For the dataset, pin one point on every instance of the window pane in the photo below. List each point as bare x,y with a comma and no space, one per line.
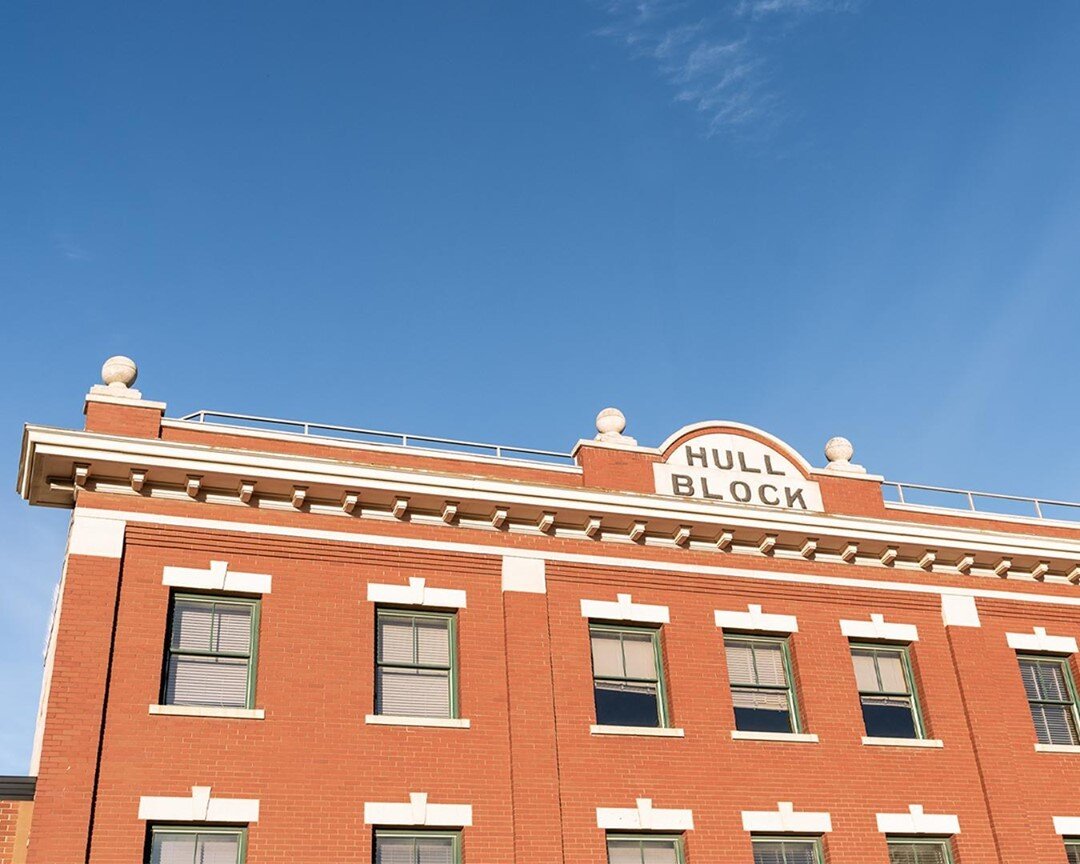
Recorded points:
216,681
413,692
659,852
623,852
191,625
762,711
785,852
606,655
232,628
433,641
434,850
889,717
891,668
394,850
929,852
172,848
865,671
395,640
1054,724
619,704
640,655
740,662
1050,680
769,663
218,849
1072,852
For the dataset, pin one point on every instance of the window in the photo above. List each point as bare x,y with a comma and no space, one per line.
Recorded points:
630,849
428,847
760,673
919,852
1072,851
1052,699
780,850
212,651
174,844
886,690
628,683
416,664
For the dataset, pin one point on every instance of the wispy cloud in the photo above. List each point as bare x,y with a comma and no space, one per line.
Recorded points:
718,59
69,248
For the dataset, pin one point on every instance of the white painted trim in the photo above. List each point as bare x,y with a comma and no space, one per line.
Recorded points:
217,578
1057,748
1041,643
643,817
100,538
1067,826
783,737
418,812
916,821
704,425
599,560
929,743
624,609
877,629
208,711
784,820
416,594
958,610
432,722
200,807
525,575
754,621
642,731
125,401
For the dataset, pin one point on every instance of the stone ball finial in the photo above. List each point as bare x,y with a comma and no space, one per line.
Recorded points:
839,452
610,420
119,372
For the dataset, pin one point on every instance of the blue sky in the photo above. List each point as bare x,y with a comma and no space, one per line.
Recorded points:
489,220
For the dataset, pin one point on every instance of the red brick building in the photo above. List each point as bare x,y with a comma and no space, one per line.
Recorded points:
292,644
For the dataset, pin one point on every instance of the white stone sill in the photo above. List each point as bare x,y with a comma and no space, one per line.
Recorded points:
431,722
208,711
644,731
1057,748
928,743
790,737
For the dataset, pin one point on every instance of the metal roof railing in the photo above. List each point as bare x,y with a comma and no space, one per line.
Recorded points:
377,436
986,503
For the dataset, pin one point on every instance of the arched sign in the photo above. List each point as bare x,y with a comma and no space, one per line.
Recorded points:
736,469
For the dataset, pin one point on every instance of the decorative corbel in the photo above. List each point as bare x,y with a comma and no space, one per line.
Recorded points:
499,517
1074,575
965,563
80,474
724,540
449,512
546,522
299,495
637,532
138,479
682,535
245,490
849,553
888,556
401,505
1003,567
928,559
349,501
193,485
1039,571
592,527
767,544
809,548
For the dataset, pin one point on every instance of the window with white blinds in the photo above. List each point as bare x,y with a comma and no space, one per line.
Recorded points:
628,684
890,708
762,692
1072,851
1052,698
783,850
649,849
187,845
397,847
919,852
211,654
415,664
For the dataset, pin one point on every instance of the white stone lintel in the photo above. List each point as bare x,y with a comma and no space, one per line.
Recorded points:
418,813
916,821
200,807
1040,642
217,578
525,575
1067,826
877,628
643,817
416,594
755,621
624,609
959,610
784,820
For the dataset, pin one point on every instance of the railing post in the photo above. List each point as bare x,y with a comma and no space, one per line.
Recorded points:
1038,509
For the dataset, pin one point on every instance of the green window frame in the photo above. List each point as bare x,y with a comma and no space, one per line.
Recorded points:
200,835
883,695
424,668
787,849
1051,694
1072,851
756,692
625,846
417,837
606,682
911,850
187,650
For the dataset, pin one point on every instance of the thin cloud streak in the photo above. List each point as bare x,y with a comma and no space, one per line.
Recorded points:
718,62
